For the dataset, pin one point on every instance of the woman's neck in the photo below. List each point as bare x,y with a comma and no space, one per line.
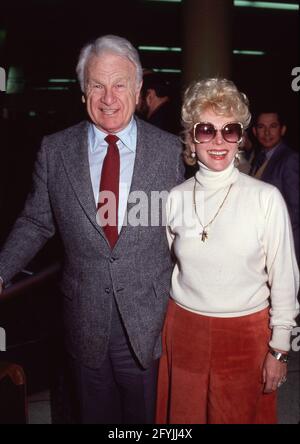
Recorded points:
208,178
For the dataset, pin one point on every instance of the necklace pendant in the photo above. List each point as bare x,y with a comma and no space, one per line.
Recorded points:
204,236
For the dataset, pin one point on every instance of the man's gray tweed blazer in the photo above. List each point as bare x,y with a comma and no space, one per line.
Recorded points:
137,271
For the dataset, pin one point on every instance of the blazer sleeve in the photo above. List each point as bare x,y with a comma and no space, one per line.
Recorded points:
33,227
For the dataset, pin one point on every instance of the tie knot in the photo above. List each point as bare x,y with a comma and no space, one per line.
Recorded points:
111,138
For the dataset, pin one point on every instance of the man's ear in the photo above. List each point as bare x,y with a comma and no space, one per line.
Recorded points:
254,131
150,95
138,92
283,130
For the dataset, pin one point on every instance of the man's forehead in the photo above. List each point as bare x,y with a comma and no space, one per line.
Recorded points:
108,67
268,118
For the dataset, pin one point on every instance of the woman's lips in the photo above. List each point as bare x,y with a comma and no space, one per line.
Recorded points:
217,154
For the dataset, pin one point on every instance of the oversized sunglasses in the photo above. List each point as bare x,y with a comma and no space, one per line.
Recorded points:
205,132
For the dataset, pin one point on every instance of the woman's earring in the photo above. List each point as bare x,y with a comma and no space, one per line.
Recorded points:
193,155
83,98
237,158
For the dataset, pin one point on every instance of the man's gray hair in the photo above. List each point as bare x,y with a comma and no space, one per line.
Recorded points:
108,44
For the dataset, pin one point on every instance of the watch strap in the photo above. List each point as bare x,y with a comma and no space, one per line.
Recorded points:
282,357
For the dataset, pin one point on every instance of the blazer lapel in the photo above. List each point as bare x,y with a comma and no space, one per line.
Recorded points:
145,162
275,158
76,162
144,172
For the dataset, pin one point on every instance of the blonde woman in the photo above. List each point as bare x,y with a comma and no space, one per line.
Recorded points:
234,285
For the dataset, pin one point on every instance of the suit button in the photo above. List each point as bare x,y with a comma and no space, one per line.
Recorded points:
113,259
107,290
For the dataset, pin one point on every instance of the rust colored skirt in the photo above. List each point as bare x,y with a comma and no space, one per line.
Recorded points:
211,370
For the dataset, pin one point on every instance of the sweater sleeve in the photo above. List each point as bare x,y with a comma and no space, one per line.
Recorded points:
170,234
282,269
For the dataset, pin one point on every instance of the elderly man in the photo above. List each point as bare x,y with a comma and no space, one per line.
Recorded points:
116,271
278,164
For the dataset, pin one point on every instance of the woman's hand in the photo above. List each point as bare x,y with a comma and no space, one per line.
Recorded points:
274,373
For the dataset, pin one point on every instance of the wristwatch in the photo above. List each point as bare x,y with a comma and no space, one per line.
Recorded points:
282,357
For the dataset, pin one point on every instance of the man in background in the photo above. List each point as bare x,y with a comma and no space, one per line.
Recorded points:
156,104
277,163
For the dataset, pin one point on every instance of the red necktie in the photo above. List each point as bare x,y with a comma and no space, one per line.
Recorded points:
110,183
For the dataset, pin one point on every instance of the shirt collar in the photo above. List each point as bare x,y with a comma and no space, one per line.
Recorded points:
270,152
126,135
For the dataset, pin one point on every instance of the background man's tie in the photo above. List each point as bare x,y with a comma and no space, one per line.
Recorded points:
110,182
260,160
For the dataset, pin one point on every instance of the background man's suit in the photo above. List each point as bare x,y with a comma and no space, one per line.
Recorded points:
137,271
282,170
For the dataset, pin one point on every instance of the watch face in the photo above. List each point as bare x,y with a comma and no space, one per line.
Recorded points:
282,357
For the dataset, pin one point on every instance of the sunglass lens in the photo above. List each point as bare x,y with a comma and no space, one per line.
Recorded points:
232,132
204,132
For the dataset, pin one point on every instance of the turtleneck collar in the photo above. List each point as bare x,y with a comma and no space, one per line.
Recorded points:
216,179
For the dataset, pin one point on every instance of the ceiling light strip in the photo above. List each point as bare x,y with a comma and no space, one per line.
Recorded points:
252,4
178,49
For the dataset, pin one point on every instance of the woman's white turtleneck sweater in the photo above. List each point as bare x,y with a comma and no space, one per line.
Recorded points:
248,256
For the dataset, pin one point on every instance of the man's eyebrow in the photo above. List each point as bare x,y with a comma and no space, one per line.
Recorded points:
94,80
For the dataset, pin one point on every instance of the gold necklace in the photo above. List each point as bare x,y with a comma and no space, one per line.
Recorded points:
204,233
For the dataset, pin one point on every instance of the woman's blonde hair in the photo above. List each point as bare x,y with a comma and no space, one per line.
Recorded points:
219,95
